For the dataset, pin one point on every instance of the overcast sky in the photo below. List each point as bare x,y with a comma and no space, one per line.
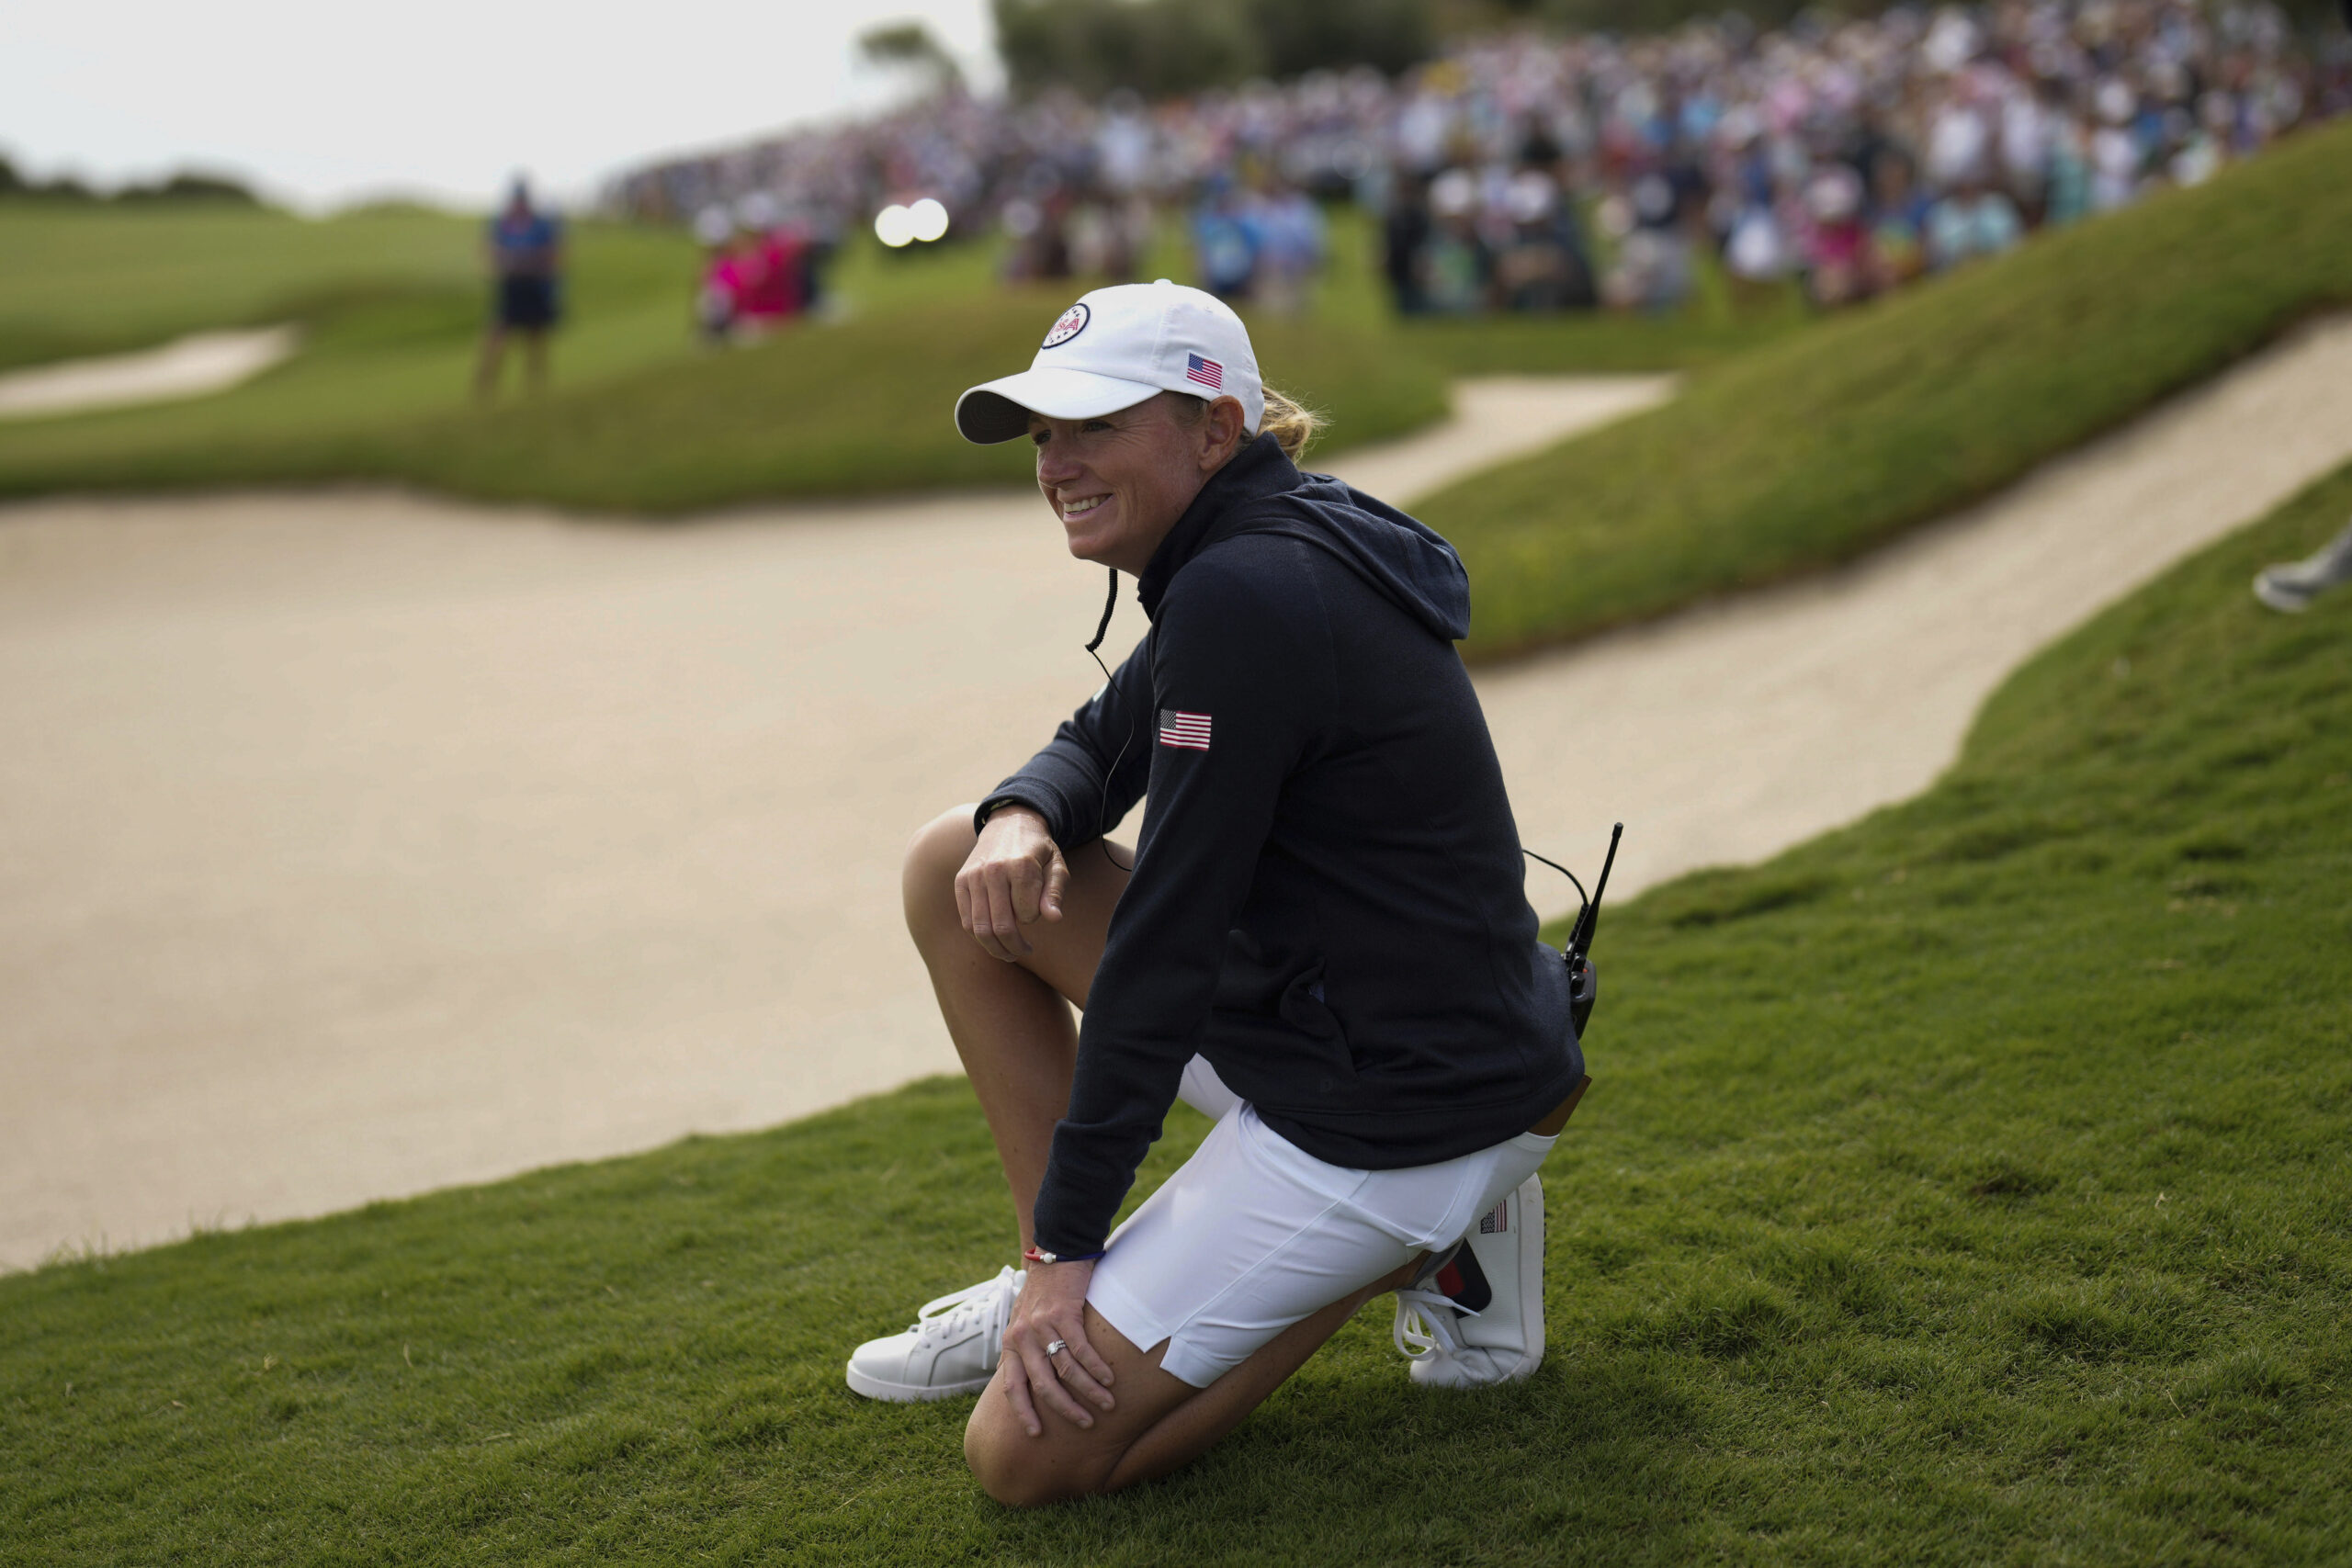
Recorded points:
323,102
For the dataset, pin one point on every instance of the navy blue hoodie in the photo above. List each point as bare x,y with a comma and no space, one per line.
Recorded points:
1328,899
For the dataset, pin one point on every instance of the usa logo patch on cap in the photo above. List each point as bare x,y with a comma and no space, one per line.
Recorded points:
1073,322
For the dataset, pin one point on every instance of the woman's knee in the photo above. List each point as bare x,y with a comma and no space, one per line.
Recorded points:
1015,1469
927,879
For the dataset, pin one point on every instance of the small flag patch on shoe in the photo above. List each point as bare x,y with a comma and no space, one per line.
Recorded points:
1188,730
1497,1220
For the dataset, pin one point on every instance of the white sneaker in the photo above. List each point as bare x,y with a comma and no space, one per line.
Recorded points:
1474,1317
951,1349
2292,586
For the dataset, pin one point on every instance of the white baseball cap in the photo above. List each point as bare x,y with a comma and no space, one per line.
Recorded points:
1115,348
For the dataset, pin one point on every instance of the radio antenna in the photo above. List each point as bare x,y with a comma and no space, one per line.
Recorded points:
1588,919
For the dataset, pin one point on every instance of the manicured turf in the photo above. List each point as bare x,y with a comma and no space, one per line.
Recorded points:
1965,1186
392,305
1707,331
1812,449
638,418
858,408
391,301
81,280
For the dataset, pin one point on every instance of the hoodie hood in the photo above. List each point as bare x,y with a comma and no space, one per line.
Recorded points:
1260,491
1396,553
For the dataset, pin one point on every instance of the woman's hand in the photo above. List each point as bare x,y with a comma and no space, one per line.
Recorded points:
1014,876
1052,1307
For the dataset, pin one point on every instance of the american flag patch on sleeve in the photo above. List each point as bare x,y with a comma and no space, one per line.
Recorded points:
1188,730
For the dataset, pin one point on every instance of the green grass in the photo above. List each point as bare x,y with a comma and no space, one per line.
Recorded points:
638,419
1967,1186
1814,448
82,281
392,304
391,301
859,408
1605,343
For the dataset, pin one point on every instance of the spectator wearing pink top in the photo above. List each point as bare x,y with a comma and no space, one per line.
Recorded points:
1838,268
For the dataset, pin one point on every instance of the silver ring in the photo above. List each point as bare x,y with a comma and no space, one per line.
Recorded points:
1056,1349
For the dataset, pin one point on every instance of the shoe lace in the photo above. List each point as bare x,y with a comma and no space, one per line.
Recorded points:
951,1316
1424,1317
1425,1321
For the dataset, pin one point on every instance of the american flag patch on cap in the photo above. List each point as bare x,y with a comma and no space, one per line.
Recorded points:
1188,730
1207,372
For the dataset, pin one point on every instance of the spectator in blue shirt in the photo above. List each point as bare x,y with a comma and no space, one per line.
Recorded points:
526,248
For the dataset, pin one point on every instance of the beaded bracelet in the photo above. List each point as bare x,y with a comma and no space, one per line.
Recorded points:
1038,1255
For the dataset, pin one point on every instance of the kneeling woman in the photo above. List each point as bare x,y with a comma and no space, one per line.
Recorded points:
1321,939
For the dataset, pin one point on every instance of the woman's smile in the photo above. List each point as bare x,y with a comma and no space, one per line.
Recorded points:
1120,481
1093,523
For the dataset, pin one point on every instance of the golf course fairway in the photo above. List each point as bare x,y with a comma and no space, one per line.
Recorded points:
1965,1186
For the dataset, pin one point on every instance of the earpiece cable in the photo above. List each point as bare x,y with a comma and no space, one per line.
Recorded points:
1102,812
1582,897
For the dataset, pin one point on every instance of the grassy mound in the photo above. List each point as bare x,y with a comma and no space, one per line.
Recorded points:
1966,1186
392,304
638,419
855,409
1813,448
77,281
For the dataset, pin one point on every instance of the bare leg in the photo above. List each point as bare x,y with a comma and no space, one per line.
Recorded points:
1013,1027
494,352
1011,1023
1160,1424
535,359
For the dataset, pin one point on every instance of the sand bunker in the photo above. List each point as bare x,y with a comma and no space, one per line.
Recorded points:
1730,732
361,843
191,367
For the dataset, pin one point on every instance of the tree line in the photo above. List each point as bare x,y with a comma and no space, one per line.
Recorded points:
184,185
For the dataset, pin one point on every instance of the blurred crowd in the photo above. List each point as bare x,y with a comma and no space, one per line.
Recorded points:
1530,172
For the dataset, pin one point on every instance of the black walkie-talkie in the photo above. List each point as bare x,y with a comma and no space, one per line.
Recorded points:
1584,985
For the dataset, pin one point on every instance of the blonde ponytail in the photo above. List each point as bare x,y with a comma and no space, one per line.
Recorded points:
1291,423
